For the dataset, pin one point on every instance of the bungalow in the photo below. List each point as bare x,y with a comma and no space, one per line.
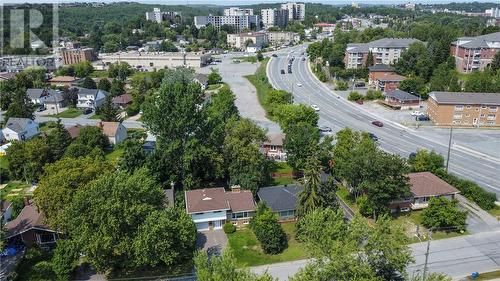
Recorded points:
273,147
388,82
29,229
20,129
202,79
211,208
282,200
122,101
91,98
62,81
401,100
115,131
55,100
426,185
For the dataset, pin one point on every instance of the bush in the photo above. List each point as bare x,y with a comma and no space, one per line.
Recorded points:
229,228
365,207
443,213
374,95
354,96
321,76
341,86
268,231
65,259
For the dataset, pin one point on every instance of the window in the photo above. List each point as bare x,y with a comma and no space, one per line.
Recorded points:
457,116
482,115
469,107
198,213
467,115
459,107
493,108
274,147
483,107
46,238
151,64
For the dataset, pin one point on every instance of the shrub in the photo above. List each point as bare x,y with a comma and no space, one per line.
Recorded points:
229,228
268,231
365,207
341,86
374,95
354,96
443,213
65,259
322,76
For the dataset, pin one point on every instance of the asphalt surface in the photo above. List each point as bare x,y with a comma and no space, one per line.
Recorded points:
338,113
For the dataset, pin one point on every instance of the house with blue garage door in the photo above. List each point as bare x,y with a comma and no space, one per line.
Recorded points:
211,208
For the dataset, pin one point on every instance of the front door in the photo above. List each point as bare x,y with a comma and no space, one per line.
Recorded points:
210,225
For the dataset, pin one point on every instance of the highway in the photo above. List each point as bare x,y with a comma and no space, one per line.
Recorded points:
338,113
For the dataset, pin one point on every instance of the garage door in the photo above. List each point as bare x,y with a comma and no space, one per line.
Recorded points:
202,226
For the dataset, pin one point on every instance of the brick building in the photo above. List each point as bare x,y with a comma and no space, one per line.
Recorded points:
464,109
72,56
475,53
388,82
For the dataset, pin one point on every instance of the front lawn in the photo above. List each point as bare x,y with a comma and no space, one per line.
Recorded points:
114,155
493,275
248,252
95,116
69,113
99,74
495,212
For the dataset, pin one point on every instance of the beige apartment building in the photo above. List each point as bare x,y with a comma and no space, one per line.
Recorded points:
238,40
464,109
153,61
72,56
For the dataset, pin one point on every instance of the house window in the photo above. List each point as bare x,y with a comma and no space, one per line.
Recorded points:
467,115
457,116
198,213
493,108
46,238
459,107
151,64
483,107
469,107
274,148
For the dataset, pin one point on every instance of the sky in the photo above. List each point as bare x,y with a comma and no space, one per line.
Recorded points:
247,2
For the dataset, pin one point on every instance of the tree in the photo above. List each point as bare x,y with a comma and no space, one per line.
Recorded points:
214,77
92,136
104,85
482,82
20,106
425,161
219,111
167,46
26,159
71,95
58,140
443,213
277,97
117,88
289,114
300,142
134,157
223,267
268,231
259,56
309,199
65,259
413,85
444,79
61,180
495,63
120,70
76,150
108,111
415,61
369,59
88,83
83,69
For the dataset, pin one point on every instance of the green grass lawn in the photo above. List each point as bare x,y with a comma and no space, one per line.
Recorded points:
252,59
486,276
114,155
495,212
13,188
69,113
261,84
95,116
99,74
46,126
281,167
248,252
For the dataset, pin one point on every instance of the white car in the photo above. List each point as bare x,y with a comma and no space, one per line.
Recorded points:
299,84
315,107
417,113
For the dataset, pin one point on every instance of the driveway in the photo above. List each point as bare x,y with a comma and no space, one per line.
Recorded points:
212,241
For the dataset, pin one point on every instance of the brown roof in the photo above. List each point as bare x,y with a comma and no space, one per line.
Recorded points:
241,200
204,200
108,128
74,131
425,184
28,218
123,99
7,75
63,79
391,77
274,139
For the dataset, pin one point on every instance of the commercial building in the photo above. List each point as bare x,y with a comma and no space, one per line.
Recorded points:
72,56
239,41
464,109
159,16
274,18
239,23
384,51
152,61
282,38
296,11
475,53
325,27
235,11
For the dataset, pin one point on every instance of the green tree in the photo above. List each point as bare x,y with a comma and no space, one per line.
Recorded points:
309,199
76,150
220,110
92,136
26,159
71,95
290,114
415,61
214,77
278,97
83,69
268,231
61,180
108,111
259,56
444,79
117,88
104,85
424,161
443,213
168,46
300,142
88,83
495,63
120,70
482,82
58,140
65,259
369,59
20,106
414,85
134,157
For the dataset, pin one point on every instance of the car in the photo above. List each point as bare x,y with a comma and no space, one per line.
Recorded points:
360,85
422,118
325,129
299,84
359,102
416,113
373,136
289,70
315,107
378,123
41,108
275,55
412,155
87,111
282,71
303,59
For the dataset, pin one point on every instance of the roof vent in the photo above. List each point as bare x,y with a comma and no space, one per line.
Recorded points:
206,198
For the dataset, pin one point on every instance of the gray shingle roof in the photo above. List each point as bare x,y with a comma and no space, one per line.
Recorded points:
17,125
35,93
401,95
479,41
466,98
380,67
280,198
381,43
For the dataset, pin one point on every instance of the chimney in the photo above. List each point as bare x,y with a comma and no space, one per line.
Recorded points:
235,188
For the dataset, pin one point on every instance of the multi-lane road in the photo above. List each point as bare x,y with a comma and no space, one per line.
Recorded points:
338,113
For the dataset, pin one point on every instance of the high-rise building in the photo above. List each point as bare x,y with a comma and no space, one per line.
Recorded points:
235,11
239,23
274,17
159,16
296,11
72,56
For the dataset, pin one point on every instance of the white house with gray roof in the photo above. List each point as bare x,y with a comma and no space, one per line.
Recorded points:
90,98
20,129
385,51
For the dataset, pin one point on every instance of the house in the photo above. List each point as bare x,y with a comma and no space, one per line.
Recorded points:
20,129
37,96
464,109
29,229
426,185
47,97
115,131
273,147
282,200
475,53
201,79
252,48
74,131
122,101
5,211
211,208
62,81
388,82
55,100
401,100
91,98
378,70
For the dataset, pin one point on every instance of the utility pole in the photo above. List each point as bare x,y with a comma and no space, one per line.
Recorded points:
427,255
449,147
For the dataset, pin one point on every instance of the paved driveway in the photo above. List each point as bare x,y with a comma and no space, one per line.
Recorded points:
212,241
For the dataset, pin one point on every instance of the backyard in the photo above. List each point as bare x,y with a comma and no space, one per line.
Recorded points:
281,173
248,252
14,189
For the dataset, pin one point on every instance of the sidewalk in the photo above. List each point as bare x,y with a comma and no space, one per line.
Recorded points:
488,221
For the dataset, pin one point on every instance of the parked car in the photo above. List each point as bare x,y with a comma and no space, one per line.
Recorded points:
303,59
359,102
315,107
275,55
87,111
289,70
373,137
299,84
41,108
412,155
423,118
378,123
416,113
282,71
360,85
325,129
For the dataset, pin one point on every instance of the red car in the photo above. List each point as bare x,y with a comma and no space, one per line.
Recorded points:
359,101
378,123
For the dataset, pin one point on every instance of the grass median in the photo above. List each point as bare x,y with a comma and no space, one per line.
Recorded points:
261,84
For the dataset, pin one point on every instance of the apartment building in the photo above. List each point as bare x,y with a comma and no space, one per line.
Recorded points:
153,61
464,109
235,11
282,38
72,56
239,23
274,18
296,11
158,16
384,51
493,12
475,53
239,40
